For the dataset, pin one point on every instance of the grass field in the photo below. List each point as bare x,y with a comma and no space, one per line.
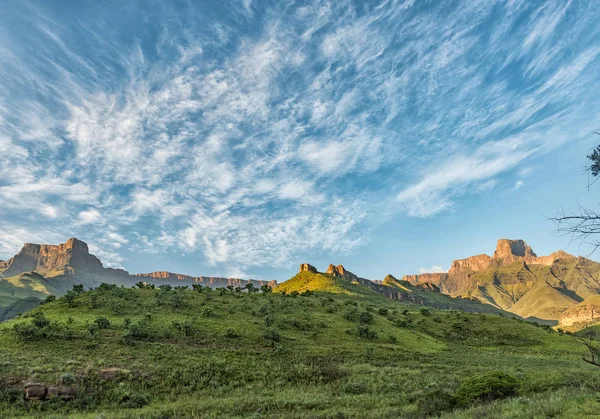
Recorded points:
222,353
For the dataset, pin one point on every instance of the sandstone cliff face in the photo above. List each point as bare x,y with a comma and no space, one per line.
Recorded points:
211,281
586,312
506,248
70,257
516,273
473,263
305,267
340,272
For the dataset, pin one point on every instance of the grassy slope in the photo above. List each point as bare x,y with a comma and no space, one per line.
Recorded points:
319,368
320,282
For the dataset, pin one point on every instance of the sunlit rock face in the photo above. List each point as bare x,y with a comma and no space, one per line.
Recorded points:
71,256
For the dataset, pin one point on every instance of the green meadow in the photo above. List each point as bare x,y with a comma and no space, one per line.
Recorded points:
342,352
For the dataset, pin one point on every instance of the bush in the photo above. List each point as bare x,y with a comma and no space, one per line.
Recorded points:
425,312
486,387
366,317
49,299
135,401
351,314
271,336
102,322
355,388
40,321
383,311
365,332
231,334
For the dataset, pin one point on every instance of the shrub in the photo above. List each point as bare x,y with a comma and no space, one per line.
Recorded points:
69,297
266,289
355,388
231,334
102,322
40,321
425,312
393,339
351,314
383,311
135,401
78,289
365,332
67,379
49,299
486,387
271,336
366,317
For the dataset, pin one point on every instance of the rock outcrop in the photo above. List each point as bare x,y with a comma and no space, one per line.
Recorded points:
305,267
584,313
211,281
517,280
69,257
340,272
507,248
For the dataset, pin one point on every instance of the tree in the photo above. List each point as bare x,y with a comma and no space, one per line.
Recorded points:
583,224
266,289
78,289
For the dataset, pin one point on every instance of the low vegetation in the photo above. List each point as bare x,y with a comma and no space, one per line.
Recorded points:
176,352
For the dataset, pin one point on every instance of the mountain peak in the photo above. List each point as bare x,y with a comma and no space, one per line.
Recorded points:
73,254
341,272
305,267
507,248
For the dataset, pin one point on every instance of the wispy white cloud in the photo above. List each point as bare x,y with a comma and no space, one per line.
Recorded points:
270,131
432,270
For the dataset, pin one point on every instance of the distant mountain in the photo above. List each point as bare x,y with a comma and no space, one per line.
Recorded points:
515,279
337,279
39,270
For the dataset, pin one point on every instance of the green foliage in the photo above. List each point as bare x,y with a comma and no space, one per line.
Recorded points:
365,332
102,322
365,317
271,336
294,353
49,299
486,387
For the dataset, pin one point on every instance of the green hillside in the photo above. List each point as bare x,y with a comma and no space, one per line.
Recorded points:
390,287
158,353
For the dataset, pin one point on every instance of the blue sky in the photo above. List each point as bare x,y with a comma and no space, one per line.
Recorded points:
242,138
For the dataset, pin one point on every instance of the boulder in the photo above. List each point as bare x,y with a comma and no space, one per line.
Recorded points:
112,374
34,391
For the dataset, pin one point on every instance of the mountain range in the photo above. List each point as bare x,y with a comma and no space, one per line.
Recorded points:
515,279
559,288
39,270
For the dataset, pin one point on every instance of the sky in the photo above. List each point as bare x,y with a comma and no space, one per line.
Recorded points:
242,138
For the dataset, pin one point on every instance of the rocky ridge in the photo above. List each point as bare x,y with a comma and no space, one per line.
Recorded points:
211,281
517,280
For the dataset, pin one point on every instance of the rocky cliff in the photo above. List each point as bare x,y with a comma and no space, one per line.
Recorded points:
211,281
517,280
585,313
66,258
